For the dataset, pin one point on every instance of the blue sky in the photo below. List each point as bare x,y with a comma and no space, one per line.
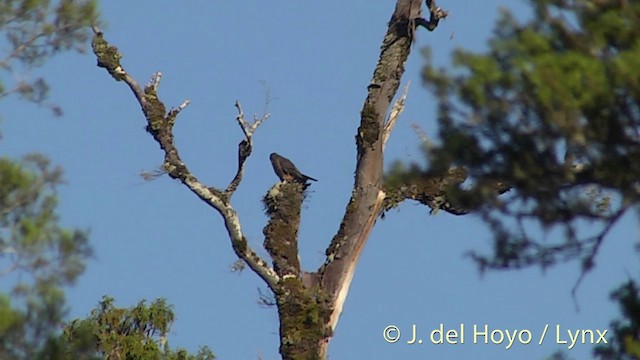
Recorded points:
155,239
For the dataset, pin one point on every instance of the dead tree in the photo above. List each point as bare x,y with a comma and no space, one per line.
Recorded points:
309,303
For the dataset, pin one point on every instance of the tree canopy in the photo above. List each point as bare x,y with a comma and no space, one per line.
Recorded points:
35,30
37,253
543,128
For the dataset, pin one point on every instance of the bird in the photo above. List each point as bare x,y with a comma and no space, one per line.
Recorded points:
286,171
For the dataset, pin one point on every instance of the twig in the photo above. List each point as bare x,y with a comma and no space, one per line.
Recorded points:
173,113
154,82
245,146
589,261
422,135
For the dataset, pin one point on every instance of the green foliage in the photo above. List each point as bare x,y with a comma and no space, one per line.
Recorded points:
626,343
139,332
552,109
39,255
29,231
34,30
42,257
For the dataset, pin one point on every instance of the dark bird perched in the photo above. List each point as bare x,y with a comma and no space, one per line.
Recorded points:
286,171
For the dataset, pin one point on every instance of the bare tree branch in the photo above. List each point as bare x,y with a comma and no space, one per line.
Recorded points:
589,261
368,194
160,126
245,146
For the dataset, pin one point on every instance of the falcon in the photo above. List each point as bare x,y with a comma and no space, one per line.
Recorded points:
286,171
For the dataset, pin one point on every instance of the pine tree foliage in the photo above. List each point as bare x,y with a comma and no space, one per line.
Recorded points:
552,112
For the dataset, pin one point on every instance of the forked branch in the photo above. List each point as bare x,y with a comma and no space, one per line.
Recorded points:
245,146
160,125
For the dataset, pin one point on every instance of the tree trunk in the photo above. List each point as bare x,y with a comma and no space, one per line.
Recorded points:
304,317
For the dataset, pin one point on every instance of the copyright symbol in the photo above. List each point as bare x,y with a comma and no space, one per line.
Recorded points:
391,334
